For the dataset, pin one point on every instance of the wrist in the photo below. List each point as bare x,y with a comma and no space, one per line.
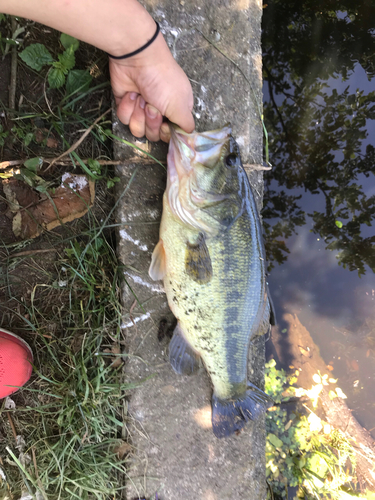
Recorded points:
124,39
140,49
156,53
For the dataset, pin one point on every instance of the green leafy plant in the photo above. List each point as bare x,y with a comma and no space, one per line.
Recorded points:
24,133
61,71
301,451
95,170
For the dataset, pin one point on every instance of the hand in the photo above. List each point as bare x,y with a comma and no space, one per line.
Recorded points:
149,86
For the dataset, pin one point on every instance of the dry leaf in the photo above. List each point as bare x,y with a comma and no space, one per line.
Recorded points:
354,365
123,449
42,133
116,360
34,212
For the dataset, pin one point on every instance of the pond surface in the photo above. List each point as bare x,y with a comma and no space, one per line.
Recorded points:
319,204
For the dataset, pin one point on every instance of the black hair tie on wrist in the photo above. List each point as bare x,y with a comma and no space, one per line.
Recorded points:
141,48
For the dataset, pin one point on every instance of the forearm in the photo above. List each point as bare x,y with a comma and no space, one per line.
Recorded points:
115,26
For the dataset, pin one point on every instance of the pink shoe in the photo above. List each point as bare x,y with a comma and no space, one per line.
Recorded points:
15,362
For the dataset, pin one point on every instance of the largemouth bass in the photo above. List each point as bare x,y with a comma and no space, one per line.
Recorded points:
211,258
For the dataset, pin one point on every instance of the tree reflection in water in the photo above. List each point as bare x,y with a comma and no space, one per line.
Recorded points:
319,137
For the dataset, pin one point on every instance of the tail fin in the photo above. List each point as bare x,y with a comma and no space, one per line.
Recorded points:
229,416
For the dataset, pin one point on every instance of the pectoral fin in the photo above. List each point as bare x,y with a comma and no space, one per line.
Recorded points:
198,263
183,358
158,266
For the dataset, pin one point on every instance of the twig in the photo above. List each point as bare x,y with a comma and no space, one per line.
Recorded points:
80,140
14,163
101,162
35,464
11,163
31,252
40,484
13,71
12,426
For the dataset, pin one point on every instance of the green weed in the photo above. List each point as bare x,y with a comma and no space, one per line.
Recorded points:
61,71
316,462
9,35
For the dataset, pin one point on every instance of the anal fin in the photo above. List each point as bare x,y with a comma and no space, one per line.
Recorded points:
183,358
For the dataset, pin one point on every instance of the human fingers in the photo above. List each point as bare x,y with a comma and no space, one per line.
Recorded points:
165,132
126,107
137,123
154,120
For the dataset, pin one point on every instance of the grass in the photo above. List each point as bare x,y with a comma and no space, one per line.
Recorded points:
73,414
65,303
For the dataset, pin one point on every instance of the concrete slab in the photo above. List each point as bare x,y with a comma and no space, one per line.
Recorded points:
175,451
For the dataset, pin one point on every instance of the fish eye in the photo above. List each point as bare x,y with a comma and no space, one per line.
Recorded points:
231,160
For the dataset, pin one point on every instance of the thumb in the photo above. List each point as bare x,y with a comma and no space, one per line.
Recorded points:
180,114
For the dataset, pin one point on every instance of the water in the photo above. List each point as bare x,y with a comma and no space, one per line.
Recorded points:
319,102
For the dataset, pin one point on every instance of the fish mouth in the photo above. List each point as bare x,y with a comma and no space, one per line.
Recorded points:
189,150
187,153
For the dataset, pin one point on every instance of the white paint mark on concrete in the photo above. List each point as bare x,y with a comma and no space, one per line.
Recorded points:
240,141
154,214
155,287
136,320
159,13
136,213
127,237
